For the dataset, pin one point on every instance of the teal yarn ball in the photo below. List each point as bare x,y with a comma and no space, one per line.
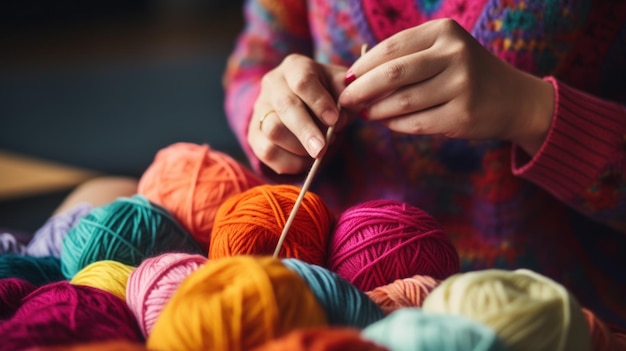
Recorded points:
344,304
414,329
36,270
127,230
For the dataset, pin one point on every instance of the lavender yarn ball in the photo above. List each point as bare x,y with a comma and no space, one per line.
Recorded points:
48,240
10,245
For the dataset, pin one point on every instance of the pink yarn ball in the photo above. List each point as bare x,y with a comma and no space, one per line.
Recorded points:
61,313
153,283
377,242
12,290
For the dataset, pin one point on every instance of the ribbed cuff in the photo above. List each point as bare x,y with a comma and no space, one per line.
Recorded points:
586,134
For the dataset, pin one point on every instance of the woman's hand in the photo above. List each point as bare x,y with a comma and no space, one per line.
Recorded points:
297,99
437,79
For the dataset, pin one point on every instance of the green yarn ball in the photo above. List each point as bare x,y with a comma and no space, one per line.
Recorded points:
36,270
128,230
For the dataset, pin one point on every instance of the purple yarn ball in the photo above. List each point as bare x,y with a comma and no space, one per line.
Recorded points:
48,240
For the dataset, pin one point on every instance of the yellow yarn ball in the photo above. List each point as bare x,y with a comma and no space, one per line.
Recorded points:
235,303
527,310
107,275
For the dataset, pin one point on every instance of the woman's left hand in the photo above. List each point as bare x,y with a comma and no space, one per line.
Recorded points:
437,79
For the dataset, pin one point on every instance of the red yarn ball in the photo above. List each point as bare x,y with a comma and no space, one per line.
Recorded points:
191,181
377,242
12,290
61,313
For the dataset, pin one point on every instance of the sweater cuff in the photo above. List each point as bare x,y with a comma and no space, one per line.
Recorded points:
586,133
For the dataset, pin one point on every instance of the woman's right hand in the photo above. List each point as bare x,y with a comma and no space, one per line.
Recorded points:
297,100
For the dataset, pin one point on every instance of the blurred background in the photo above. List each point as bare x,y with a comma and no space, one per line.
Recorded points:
102,85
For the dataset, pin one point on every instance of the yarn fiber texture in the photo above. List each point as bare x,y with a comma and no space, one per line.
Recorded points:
250,223
411,329
602,338
48,240
107,275
321,339
9,244
12,290
37,270
527,310
127,230
379,241
192,181
152,284
235,303
344,304
61,313
115,345
407,292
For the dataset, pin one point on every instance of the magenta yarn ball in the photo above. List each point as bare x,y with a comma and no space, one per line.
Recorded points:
153,283
12,290
61,313
379,241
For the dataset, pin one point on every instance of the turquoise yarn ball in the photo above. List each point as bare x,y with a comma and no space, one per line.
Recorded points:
344,304
36,270
127,230
414,329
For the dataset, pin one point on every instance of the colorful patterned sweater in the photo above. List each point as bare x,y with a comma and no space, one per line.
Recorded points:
561,213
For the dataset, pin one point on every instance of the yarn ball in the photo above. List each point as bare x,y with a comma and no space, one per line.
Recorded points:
250,223
61,313
153,283
48,240
527,310
602,338
117,345
37,270
344,304
192,181
10,245
411,329
127,230
111,276
12,290
407,292
379,241
321,339
235,303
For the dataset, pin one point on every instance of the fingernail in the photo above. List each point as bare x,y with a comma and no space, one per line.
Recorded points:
315,146
363,115
350,77
329,117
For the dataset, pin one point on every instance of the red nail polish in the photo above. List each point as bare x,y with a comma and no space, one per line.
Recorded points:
350,77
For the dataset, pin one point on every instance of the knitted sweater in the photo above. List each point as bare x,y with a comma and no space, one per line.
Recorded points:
561,212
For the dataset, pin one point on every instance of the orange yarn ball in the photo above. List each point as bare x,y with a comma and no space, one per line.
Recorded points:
408,292
250,223
322,339
236,303
602,338
192,181
118,345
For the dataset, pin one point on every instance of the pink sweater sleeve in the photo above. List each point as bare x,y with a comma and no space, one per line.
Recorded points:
274,29
583,159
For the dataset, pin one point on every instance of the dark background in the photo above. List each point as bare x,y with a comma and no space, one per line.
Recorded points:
104,85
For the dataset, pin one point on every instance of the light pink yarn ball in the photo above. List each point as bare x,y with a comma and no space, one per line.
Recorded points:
153,283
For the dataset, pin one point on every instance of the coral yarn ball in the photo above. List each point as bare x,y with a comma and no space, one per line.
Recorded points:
251,223
192,181
377,242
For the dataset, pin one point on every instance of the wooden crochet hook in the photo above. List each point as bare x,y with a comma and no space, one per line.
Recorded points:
307,181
